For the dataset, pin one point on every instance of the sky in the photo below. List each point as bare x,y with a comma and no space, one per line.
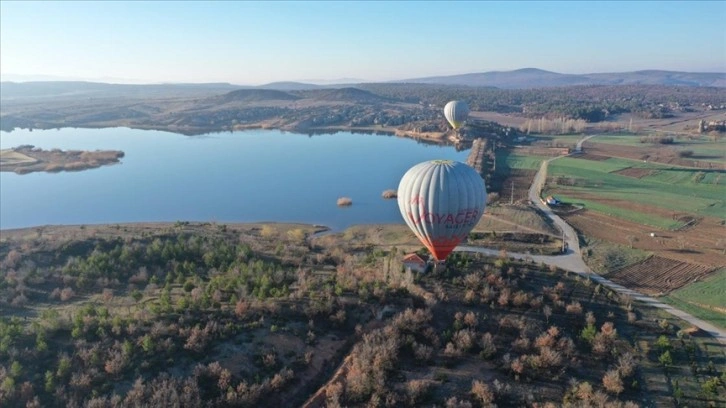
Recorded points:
253,43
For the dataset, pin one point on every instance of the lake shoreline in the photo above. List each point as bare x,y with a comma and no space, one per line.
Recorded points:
442,138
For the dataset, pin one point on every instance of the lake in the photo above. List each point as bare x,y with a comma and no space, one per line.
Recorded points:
249,176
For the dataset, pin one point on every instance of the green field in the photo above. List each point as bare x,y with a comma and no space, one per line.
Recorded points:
708,151
518,162
697,297
619,139
558,140
622,213
694,191
703,147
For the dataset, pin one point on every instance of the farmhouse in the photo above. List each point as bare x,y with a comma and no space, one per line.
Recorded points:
550,200
414,262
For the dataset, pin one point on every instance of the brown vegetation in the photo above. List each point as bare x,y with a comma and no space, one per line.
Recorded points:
55,160
230,315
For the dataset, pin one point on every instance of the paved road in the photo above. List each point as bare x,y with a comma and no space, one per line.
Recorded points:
572,259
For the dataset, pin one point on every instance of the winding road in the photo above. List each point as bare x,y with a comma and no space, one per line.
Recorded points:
572,259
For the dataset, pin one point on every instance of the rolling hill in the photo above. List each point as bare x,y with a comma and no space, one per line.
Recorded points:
537,78
254,95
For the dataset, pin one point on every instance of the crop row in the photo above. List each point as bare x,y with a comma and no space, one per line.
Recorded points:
658,275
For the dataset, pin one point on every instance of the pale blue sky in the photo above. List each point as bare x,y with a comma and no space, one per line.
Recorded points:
256,43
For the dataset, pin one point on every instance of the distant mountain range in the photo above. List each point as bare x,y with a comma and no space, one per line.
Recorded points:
518,79
538,78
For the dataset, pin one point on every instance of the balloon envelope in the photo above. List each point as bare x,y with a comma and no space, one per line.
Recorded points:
441,201
456,113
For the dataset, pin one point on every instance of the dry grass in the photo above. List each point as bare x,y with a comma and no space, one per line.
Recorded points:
9,156
389,194
344,201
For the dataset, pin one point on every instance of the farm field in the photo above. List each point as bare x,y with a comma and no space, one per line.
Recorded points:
557,140
656,275
705,299
513,170
618,139
704,148
513,218
707,158
698,243
604,206
701,192
518,161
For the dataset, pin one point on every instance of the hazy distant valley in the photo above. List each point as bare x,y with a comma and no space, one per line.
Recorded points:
412,106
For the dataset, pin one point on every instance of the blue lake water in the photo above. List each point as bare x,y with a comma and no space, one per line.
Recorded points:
250,176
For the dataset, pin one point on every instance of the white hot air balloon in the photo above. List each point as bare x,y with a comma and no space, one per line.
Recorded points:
441,201
456,113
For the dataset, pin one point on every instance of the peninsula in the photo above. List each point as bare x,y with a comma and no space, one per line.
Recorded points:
27,159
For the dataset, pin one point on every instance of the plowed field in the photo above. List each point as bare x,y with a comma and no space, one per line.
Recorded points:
701,243
657,155
521,180
658,275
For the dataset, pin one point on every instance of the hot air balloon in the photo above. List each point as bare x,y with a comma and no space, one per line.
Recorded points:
456,113
441,201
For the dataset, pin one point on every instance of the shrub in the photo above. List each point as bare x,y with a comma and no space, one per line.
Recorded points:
453,402
590,318
626,365
548,358
612,382
520,298
422,352
481,392
666,359
710,386
663,343
471,320
66,294
574,308
608,330
488,348
588,333
417,390
473,281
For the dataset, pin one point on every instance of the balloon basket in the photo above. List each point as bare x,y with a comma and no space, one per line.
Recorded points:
437,266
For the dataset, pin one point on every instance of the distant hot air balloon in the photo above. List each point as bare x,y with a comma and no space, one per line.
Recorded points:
456,113
441,201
